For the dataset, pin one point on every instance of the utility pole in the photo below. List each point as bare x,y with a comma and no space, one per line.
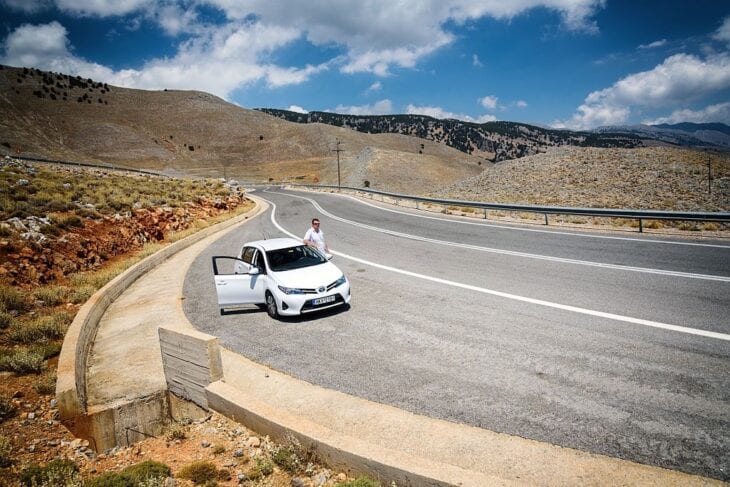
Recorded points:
338,150
709,174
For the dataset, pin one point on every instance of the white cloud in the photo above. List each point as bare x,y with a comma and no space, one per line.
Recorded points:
440,113
297,109
101,8
374,87
723,32
653,45
678,80
489,102
219,60
713,113
373,33
382,107
521,104
27,6
476,62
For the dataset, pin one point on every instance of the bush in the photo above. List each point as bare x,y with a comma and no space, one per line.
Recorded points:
11,299
46,385
199,473
175,431
82,294
360,482
109,479
40,330
22,362
7,410
5,449
263,468
286,459
146,470
51,295
56,472
6,319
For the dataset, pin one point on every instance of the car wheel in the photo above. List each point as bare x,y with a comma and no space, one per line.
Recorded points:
271,305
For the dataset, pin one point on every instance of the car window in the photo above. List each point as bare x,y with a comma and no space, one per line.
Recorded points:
294,258
258,260
247,254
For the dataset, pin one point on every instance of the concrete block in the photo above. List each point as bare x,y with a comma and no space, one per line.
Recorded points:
191,361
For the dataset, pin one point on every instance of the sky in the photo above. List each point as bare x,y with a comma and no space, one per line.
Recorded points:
576,64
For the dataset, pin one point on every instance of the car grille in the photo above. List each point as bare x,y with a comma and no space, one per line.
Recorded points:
329,287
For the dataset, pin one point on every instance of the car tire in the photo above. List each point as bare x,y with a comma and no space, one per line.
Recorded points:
271,307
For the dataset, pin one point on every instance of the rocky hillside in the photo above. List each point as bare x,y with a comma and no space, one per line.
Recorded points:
57,116
493,141
660,178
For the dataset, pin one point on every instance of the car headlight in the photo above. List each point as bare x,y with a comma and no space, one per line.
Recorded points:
291,290
341,280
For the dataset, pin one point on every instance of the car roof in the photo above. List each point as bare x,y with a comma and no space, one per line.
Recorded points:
274,243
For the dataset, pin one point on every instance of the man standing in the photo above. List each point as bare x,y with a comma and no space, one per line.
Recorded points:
315,238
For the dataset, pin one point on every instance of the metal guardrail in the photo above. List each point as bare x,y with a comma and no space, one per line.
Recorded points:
639,215
87,164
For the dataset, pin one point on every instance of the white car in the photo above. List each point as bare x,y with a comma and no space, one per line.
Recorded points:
282,274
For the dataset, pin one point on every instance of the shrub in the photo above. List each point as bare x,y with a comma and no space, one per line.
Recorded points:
51,295
7,410
68,221
6,319
56,472
46,385
11,299
263,468
46,350
360,482
200,472
40,330
109,479
22,362
146,470
175,431
286,459
6,449
81,294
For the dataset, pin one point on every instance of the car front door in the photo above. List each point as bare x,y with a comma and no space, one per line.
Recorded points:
234,287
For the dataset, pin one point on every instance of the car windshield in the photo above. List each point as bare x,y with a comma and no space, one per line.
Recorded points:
294,258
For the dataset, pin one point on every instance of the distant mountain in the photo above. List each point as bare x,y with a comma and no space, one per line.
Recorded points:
705,135
696,127
495,141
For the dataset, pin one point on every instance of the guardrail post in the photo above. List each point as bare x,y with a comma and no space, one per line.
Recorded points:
546,219
417,207
485,213
641,225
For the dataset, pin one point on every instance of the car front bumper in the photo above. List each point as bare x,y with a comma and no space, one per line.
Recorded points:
296,304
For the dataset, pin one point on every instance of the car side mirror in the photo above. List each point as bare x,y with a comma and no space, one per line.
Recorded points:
253,271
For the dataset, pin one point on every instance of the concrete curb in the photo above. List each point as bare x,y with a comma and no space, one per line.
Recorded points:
72,362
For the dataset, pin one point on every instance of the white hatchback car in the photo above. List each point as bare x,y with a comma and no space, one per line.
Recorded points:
282,274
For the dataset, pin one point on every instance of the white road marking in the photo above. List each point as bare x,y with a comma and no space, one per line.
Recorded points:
539,302
645,270
536,230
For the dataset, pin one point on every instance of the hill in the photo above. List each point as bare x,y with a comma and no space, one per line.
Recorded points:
659,178
492,141
58,116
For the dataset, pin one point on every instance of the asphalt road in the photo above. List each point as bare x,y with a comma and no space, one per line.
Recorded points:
617,344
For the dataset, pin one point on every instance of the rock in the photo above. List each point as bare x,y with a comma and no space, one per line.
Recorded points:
76,444
22,182
253,442
205,444
54,403
341,477
321,479
31,415
238,453
298,482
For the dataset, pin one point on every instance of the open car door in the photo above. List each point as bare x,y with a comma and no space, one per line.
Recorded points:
237,283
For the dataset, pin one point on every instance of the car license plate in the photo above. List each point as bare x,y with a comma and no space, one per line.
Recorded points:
326,299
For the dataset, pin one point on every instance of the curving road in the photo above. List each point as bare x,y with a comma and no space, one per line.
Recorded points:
610,343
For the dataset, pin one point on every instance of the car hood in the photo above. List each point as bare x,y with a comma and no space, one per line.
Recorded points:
309,277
